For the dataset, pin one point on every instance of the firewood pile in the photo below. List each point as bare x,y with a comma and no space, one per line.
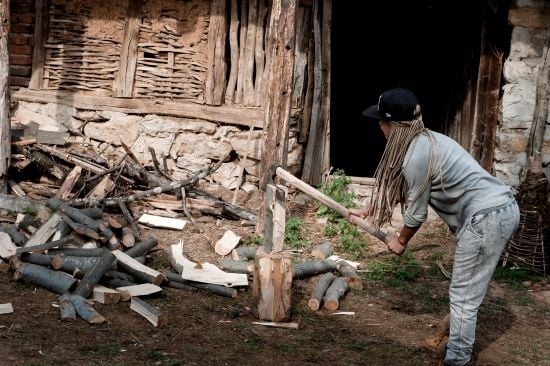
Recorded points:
71,225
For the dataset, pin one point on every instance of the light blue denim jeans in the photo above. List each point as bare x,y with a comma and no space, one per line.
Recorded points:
479,247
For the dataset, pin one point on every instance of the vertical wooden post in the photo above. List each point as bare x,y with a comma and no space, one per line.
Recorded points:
40,37
124,82
273,267
217,34
278,86
5,148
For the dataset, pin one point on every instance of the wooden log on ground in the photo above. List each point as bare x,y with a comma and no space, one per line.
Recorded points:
77,252
128,239
55,281
180,286
16,236
272,285
143,289
216,289
120,275
312,268
322,251
236,266
116,282
56,204
142,248
314,302
244,253
92,212
85,310
334,294
350,274
6,308
67,311
148,311
138,270
45,232
226,243
72,264
92,277
7,247
46,246
105,295
40,259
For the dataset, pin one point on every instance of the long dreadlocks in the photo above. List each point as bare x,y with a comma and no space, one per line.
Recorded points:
390,183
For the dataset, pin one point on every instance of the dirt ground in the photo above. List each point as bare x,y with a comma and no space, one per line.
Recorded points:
385,324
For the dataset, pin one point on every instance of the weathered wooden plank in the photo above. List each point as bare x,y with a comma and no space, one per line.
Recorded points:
248,72
259,53
234,50
40,36
242,47
217,33
226,114
124,80
5,148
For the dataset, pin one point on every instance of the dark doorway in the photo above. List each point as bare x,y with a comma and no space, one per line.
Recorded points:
426,46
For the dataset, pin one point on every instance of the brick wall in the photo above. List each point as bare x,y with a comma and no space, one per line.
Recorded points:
20,42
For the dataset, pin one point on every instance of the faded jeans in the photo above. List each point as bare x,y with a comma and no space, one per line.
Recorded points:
477,254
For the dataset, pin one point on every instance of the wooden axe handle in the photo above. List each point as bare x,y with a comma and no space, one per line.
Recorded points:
329,202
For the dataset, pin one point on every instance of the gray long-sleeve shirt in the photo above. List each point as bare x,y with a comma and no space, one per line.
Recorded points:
459,187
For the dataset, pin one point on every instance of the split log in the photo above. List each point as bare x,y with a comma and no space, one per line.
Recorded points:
143,289
335,293
226,243
322,251
216,289
91,212
149,312
80,228
65,190
286,325
85,310
244,253
55,281
67,311
142,247
7,247
105,295
162,222
314,302
272,285
92,277
236,266
138,270
19,204
6,308
45,232
129,218
350,274
312,268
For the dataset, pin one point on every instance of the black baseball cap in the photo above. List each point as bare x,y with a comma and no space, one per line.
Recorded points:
397,104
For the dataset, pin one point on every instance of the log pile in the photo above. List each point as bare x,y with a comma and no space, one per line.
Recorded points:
81,240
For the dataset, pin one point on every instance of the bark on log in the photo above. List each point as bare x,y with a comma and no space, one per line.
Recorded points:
77,252
180,286
335,292
72,264
85,310
46,246
350,274
18,238
312,268
55,281
244,253
142,247
117,282
67,311
5,150
236,266
322,251
138,270
314,302
120,275
92,277
40,259
216,289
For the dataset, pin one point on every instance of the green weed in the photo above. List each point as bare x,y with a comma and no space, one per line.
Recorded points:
294,237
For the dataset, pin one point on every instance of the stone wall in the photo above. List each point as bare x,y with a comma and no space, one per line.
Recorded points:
188,144
521,70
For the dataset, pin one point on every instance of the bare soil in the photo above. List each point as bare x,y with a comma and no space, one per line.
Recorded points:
387,325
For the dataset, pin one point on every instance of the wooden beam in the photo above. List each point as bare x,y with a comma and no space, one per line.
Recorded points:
226,114
39,50
5,147
124,81
217,34
529,17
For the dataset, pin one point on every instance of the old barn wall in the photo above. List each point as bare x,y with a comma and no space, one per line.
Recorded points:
165,46
521,69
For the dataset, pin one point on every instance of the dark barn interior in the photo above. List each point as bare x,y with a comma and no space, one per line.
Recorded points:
429,47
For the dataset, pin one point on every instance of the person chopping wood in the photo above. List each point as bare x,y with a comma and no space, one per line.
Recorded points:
421,168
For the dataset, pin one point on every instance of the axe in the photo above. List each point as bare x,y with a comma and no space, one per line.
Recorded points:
329,202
